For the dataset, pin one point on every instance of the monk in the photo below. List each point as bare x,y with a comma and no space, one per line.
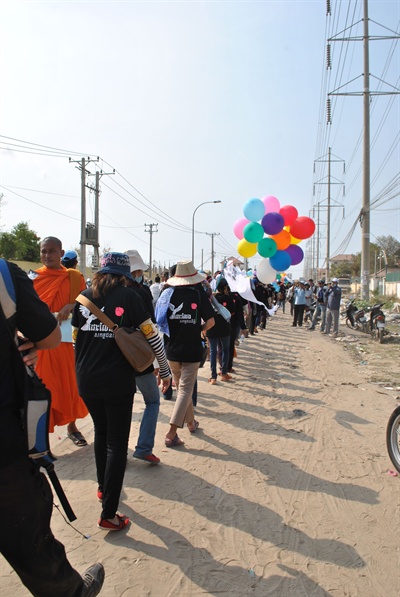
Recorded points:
58,287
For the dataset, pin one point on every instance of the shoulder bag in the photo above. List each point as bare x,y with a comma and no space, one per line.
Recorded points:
132,343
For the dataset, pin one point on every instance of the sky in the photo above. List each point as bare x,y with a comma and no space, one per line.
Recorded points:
193,102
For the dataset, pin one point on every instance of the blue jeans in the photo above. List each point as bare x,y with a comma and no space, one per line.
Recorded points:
213,342
112,417
147,384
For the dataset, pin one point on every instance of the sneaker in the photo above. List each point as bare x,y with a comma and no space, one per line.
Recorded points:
311,329
212,381
106,525
99,495
150,458
93,579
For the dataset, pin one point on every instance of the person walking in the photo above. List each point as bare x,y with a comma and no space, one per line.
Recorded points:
333,297
58,287
179,313
299,295
26,500
105,378
155,289
220,334
147,381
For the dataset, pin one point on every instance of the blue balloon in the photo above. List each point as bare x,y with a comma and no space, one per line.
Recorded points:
254,210
281,261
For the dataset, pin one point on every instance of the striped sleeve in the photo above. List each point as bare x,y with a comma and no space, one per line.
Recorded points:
157,345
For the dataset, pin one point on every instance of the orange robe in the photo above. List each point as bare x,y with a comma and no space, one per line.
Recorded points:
57,366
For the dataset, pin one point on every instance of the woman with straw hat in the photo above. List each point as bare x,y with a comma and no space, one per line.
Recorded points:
183,313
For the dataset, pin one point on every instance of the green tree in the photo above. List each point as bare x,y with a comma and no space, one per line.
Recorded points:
21,243
7,245
391,248
373,264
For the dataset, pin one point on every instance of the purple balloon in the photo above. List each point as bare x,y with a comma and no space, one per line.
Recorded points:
296,254
272,223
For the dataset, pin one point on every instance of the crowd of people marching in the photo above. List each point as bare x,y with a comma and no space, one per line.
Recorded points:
189,319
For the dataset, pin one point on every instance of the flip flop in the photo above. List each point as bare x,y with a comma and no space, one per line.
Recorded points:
171,443
77,438
196,426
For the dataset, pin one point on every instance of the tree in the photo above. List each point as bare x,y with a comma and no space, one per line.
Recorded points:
356,262
390,247
7,245
21,243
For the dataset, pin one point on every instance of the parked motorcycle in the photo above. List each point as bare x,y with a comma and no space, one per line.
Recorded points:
355,318
393,438
377,322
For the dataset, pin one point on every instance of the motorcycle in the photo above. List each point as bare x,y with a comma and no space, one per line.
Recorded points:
377,322
393,438
309,314
355,318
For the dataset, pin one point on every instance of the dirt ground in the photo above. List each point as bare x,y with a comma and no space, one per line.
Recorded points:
284,491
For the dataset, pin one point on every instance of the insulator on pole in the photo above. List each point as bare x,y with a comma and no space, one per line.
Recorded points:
328,56
328,7
328,111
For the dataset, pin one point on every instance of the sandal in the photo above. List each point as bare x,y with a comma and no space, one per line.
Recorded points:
171,443
196,426
106,525
212,381
77,438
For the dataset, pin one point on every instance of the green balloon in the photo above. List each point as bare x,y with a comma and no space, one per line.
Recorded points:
253,232
267,247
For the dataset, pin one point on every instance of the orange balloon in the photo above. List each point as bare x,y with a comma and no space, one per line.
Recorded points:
282,239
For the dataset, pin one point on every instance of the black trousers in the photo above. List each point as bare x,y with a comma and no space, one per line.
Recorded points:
112,417
26,540
298,315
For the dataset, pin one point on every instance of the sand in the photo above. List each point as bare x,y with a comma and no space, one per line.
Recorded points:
283,491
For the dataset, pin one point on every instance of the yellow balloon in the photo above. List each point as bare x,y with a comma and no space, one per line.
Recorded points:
295,241
246,249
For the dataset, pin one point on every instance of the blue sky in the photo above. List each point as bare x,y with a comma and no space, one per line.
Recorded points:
189,102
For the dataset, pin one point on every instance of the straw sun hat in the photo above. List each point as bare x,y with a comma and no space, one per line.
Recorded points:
186,274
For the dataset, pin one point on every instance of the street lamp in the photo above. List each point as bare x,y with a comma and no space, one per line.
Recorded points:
205,202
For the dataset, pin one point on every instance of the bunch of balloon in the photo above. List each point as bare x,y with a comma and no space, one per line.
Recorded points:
274,232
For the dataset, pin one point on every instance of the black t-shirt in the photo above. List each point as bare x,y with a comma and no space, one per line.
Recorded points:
188,306
35,321
101,368
222,327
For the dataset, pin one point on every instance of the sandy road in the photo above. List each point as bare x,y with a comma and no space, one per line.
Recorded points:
284,490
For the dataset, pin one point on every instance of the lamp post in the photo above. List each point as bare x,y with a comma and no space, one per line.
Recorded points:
194,213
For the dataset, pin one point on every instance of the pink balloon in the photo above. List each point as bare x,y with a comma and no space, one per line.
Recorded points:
271,204
239,226
289,213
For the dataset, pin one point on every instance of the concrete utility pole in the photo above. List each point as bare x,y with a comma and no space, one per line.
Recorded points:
366,205
151,232
212,234
89,232
366,94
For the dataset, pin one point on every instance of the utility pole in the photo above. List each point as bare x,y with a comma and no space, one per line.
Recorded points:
364,217
212,234
84,240
151,232
92,230
329,200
